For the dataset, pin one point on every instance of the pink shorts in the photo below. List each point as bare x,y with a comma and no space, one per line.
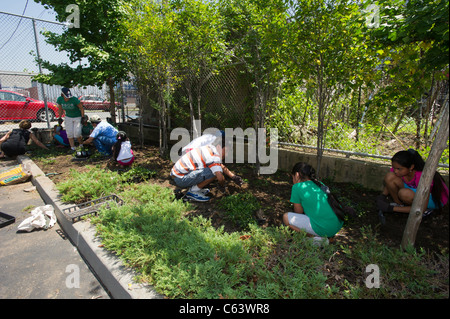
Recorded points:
127,162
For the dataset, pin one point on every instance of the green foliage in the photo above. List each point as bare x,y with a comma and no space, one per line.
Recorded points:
96,183
84,186
423,23
188,258
96,40
138,173
240,208
287,113
403,274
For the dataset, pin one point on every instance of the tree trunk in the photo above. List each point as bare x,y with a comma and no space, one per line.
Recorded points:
163,124
194,130
423,190
112,105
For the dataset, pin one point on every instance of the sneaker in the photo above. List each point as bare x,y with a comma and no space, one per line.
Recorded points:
197,196
320,241
204,191
427,212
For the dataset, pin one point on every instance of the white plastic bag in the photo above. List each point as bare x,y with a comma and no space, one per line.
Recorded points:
41,217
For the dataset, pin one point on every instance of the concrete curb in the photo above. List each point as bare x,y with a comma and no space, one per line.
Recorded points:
114,275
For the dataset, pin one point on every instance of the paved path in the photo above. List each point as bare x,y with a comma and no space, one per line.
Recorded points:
42,264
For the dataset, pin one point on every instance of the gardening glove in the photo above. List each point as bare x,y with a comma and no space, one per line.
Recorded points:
237,179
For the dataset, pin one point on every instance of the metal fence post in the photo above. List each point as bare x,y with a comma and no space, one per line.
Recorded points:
44,96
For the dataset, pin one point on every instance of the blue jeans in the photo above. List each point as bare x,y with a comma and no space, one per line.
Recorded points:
104,144
194,177
431,203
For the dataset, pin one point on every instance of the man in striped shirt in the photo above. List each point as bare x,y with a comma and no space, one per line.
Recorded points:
201,166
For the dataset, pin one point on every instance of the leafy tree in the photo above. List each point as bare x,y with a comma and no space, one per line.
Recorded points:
413,39
93,45
417,34
151,49
254,35
201,51
422,22
325,39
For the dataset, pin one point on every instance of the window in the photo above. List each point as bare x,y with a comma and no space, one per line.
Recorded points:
19,98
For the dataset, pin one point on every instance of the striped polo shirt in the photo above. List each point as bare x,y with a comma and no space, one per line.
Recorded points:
198,158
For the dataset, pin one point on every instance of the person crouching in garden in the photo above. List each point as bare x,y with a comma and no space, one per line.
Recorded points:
201,166
15,141
313,212
104,136
86,127
122,151
401,182
60,134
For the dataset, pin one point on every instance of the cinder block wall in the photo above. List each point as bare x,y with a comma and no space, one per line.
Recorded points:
339,169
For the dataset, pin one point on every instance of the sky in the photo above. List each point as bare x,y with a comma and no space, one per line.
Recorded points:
32,9
17,40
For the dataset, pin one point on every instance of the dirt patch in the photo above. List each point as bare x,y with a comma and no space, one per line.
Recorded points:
273,193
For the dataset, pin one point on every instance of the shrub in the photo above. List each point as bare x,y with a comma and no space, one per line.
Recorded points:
240,208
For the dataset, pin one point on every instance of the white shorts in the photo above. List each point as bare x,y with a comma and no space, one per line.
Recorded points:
73,126
301,221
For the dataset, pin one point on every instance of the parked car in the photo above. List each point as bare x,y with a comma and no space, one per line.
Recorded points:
16,106
93,102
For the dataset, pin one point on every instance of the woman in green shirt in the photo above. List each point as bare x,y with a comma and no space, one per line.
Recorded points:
312,211
74,111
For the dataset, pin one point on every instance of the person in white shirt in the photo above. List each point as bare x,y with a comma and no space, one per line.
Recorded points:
201,166
122,151
206,139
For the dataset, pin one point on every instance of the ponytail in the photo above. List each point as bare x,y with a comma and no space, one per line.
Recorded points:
121,137
307,171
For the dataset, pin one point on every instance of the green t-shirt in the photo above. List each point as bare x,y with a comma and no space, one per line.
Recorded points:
86,129
70,107
315,205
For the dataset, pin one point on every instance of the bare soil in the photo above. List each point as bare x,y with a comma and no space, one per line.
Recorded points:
273,192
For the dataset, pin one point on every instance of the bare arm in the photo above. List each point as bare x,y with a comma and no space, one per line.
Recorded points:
37,142
5,137
88,141
80,106
220,177
60,110
298,208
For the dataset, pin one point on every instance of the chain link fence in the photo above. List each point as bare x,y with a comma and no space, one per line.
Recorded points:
226,100
22,98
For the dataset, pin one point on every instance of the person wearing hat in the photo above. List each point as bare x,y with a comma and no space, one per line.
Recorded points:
74,110
104,136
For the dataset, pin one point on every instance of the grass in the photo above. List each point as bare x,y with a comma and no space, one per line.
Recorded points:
186,257
240,208
95,183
